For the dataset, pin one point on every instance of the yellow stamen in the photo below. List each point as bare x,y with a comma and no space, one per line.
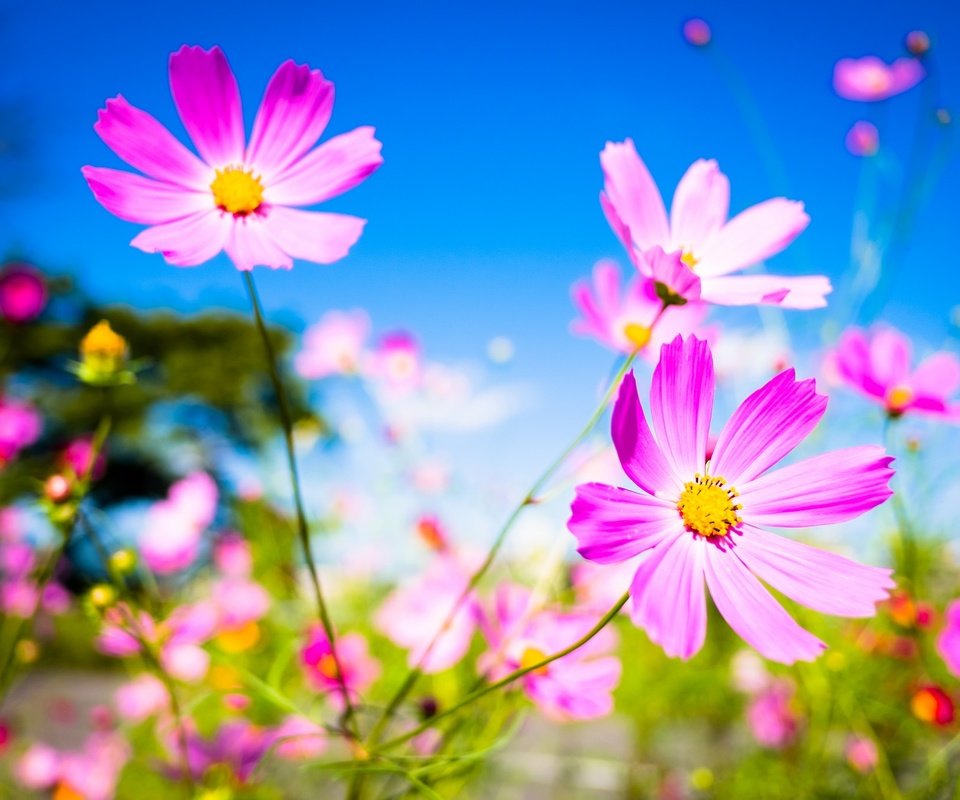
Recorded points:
689,259
899,397
531,656
237,191
240,639
638,335
65,791
708,507
327,666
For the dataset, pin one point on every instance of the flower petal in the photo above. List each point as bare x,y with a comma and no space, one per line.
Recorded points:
700,206
295,109
753,613
252,244
208,100
753,235
334,167
312,235
668,597
148,146
137,199
766,426
937,376
633,195
815,578
890,355
613,524
681,404
189,241
852,356
804,292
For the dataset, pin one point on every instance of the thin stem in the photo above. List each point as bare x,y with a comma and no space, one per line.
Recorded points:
302,527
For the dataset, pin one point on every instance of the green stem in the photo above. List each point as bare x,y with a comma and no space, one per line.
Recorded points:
302,528
906,541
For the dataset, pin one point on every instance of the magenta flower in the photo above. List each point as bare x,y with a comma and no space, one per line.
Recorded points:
238,747
697,32
20,427
771,717
712,246
170,541
240,196
396,362
334,345
863,139
624,318
876,363
948,642
695,521
360,670
870,79
141,697
23,293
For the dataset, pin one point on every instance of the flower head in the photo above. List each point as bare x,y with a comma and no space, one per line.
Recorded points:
23,293
863,139
697,522
870,79
697,32
771,716
171,537
932,705
103,357
948,643
20,427
360,670
334,345
240,196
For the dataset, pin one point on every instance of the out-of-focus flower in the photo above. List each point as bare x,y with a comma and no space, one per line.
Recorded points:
396,362
696,523
104,358
239,196
771,716
861,753
863,139
597,586
19,597
144,696
917,43
577,686
870,79
748,673
171,537
236,746
20,427
38,767
334,345
298,739
876,363
697,32
433,533
90,773
360,670
948,642
932,705
77,456
23,293
712,246
232,556
626,318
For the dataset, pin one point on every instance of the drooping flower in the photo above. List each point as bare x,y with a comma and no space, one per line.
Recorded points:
242,197
625,318
876,363
334,345
698,522
870,79
863,139
171,537
771,716
20,427
576,686
23,293
360,670
712,246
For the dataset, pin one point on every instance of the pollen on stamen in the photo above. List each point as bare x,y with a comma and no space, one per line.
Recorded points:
689,259
708,506
237,191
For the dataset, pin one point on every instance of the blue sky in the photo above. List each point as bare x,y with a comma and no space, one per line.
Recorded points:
492,116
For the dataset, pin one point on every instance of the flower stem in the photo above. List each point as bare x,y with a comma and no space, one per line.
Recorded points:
302,529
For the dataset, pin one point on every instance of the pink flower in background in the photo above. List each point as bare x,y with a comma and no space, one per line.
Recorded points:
712,246
237,746
863,139
697,32
77,455
396,361
20,427
861,753
19,597
577,686
38,767
142,697
771,717
360,670
334,345
298,739
695,522
239,196
624,318
91,772
948,642
870,79
598,586
23,293
232,556
877,363
170,541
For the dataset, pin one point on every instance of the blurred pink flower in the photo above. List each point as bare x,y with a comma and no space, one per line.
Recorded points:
238,746
690,525
577,686
17,559
20,426
360,670
298,739
697,32
55,599
396,361
948,642
77,457
90,773
863,139
19,597
232,556
861,753
23,293
241,196
334,345
184,661
771,717
38,768
142,697
238,601
598,586
876,363
712,246
870,79
170,541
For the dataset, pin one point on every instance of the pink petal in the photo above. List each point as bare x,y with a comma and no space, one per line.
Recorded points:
296,108
937,376
669,270
618,226
253,243
189,241
767,425
681,404
812,577
613,524
640,455
312,235
145,144
753,613
208,100
753,235
334,167
606,282
700,206
890,355
829,488
137,199
633,195
853,363
805,292
668,598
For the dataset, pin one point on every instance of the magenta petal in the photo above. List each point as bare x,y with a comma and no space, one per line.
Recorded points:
137,199
334,167
146,145
252,243
668,597
804,292
812,577
613,524
633,195
766,426
296,108
753,613
890,355
681,403
208,100
853,363
701,203
618,226
189,241
669,270
937,376
829,488
639,453
312,235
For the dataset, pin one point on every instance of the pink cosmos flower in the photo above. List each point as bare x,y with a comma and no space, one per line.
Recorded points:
625,318
870,79
239,196
334,345
876,363
77,455
694,521
771,716
863,139
232,556
360,670
38,767
298,739
948,643
861,753
577,686
20,427
23,293
238,747
712,246
396,361
171,538
142,697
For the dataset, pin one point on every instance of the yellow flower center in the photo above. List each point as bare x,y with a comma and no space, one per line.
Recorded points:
708,506
638,335
239,639
899,397
531,656
924,705
65,791
327,666
689,259
237,191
